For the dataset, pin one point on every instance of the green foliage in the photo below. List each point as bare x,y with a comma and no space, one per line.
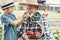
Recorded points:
0,32
56,34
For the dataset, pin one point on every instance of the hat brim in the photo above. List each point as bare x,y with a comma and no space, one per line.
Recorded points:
30,4
8,6
38,5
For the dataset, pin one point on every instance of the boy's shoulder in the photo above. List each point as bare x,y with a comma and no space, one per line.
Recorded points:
3,16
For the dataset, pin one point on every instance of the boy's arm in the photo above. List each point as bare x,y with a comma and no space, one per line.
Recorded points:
20,20
17,22
8,21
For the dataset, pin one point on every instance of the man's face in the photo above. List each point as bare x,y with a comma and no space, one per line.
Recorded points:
8,10
31,8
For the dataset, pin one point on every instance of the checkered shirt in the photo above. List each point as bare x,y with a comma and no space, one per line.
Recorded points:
42,20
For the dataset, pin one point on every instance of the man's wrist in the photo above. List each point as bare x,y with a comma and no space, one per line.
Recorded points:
26,39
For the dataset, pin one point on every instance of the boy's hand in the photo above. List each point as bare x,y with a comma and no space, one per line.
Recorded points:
25,15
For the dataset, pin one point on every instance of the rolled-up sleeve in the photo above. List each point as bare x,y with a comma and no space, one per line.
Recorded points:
6,20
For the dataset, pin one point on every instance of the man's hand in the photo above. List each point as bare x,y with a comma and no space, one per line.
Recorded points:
38,34
25,36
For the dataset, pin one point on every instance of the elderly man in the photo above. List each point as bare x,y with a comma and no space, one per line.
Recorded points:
32,7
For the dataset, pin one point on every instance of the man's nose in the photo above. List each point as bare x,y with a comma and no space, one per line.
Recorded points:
28,9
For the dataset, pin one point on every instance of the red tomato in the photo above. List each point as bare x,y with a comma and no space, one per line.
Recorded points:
46,14
30,33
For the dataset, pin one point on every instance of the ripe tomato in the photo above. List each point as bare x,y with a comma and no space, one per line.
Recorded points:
30,33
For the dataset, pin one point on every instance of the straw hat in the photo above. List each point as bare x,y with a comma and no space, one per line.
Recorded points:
6,3
34,3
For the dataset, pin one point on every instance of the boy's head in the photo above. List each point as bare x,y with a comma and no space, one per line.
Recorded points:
8,9
7,6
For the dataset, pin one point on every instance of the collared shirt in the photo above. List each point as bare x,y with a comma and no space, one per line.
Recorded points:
10,32
42,20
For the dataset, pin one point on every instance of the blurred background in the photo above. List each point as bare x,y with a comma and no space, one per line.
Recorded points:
52,12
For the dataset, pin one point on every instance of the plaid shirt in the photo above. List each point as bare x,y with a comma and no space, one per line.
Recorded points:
41,19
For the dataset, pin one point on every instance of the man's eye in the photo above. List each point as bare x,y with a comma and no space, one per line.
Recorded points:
27,8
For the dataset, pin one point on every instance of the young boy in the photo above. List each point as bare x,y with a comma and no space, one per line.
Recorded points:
9,20
32,7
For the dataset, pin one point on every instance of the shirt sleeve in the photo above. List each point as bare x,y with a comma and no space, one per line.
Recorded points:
6,20
47,33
